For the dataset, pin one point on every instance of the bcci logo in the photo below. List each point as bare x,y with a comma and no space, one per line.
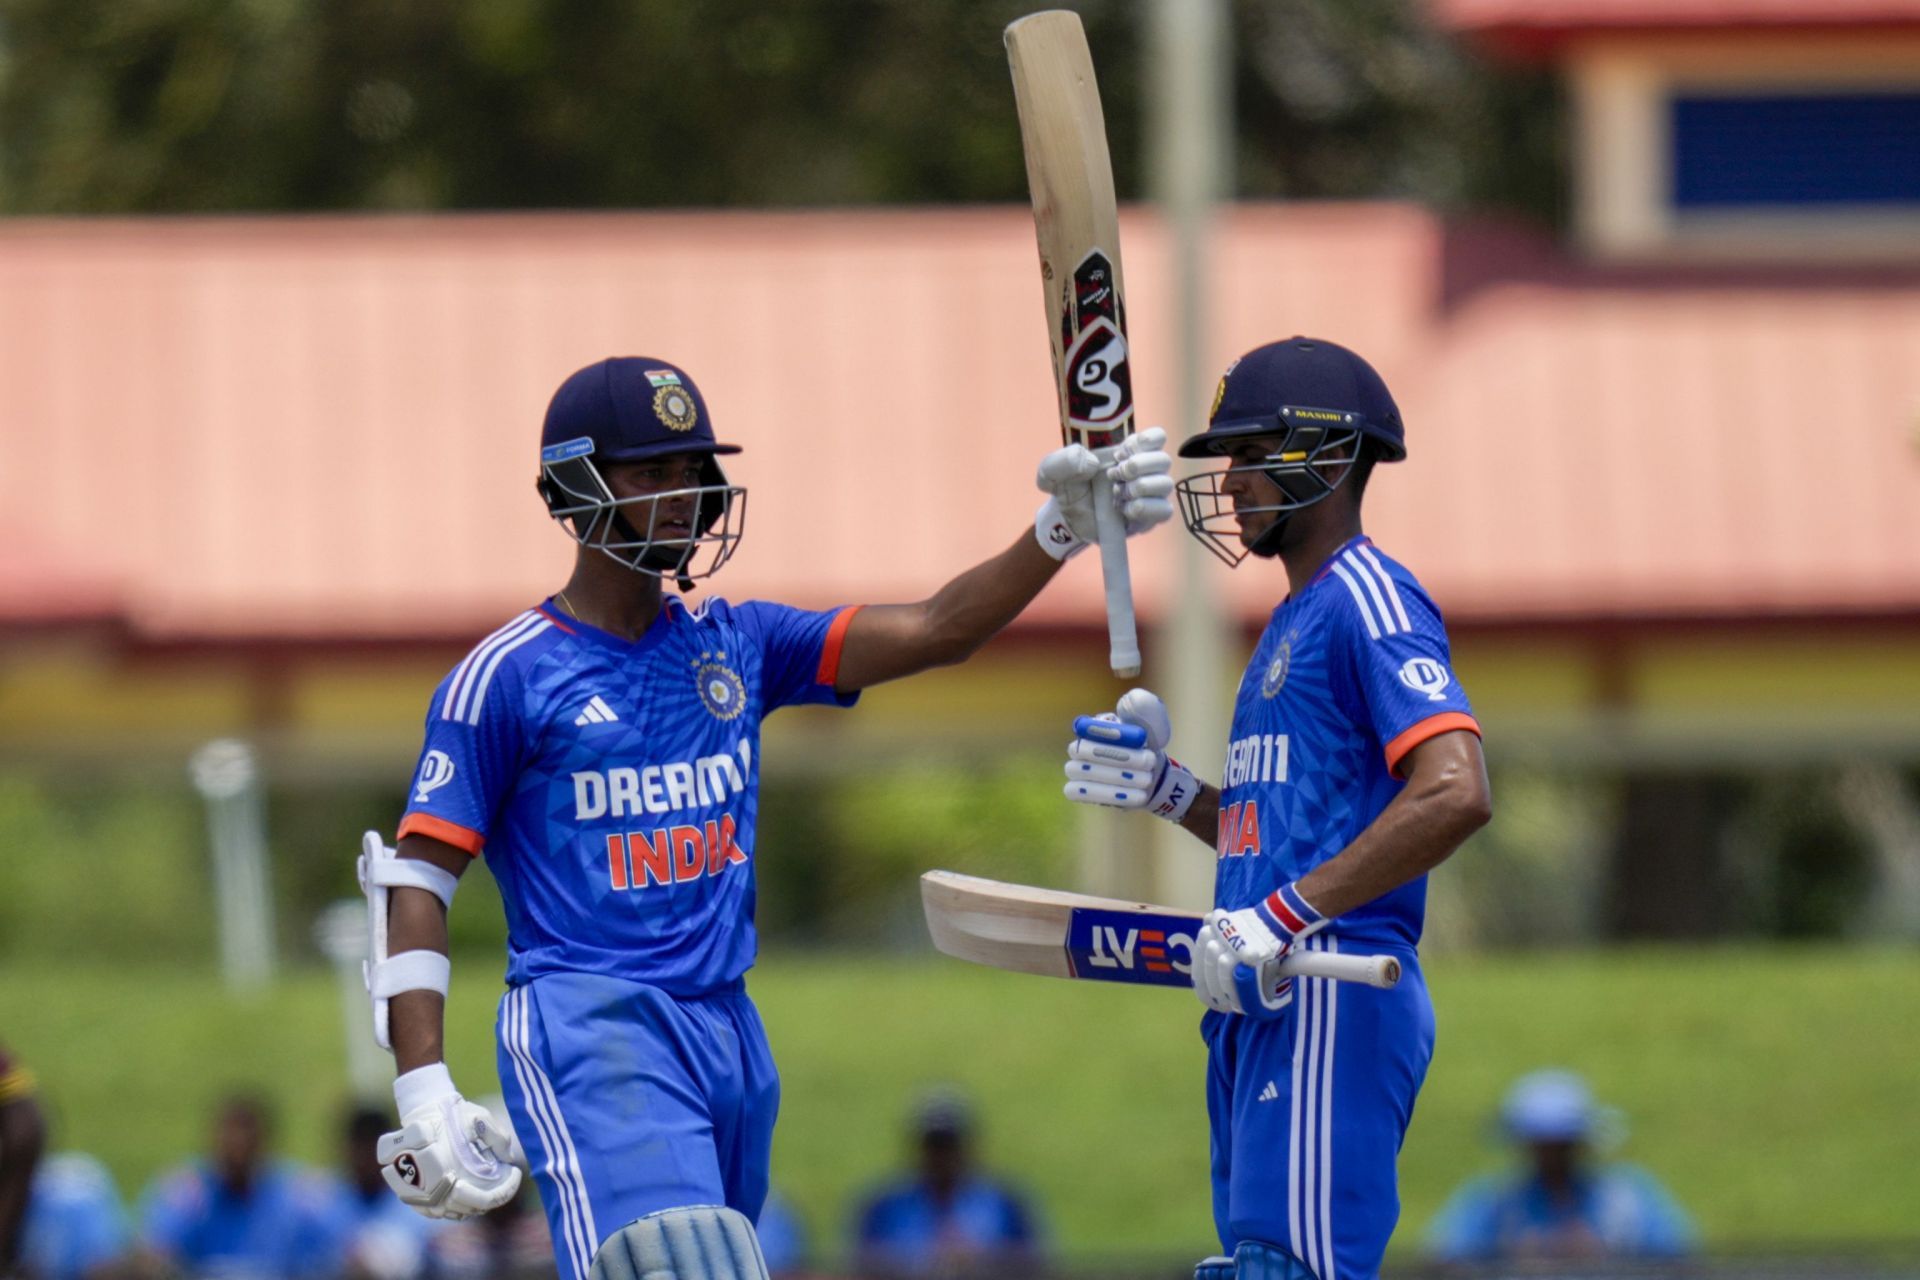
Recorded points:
722,692
1275,675
1424,675
674,407
435,771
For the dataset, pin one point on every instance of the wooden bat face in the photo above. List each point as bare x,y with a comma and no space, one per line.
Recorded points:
1070,177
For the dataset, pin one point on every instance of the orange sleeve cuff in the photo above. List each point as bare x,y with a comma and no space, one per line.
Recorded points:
829,672
425,824
1432,727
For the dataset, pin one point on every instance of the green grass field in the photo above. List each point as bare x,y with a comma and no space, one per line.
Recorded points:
1771,1089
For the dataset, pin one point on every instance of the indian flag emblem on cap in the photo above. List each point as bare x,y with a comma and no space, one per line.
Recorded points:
663,377
674,407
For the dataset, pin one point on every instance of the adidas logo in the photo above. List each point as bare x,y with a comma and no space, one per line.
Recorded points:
597,712
1269,1093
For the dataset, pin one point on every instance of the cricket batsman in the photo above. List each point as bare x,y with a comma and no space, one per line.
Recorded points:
1354,768
602,750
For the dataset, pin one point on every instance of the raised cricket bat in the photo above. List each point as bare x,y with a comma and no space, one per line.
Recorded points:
1073,935
1071,181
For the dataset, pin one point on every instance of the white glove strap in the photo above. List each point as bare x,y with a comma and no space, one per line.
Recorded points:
409,971
1176,793
421,1087
389,873
1051,530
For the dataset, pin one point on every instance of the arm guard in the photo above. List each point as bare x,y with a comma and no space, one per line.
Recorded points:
380,869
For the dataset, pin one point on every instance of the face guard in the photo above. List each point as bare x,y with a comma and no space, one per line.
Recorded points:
631,530
1314,453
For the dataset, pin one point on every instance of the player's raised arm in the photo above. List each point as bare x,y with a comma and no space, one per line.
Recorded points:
885,642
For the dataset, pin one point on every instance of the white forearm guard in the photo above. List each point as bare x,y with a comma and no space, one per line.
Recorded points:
380,868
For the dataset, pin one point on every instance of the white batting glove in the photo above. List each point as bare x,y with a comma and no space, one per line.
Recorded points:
1119,758
1237,954
1141,473
449,1158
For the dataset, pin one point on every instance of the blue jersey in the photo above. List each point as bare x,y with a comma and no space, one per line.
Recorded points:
613,784
906,1230
1350,675
1618,1210
205,1228
74,1224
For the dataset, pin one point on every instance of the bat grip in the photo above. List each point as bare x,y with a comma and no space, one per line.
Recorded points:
1374,971
1122,639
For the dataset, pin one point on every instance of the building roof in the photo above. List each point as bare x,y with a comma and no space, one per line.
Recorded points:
253,428
1540,27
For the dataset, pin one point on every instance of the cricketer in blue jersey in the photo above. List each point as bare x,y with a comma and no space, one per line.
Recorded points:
1354,767
601,750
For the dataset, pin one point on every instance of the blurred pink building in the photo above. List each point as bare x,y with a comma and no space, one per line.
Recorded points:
268,474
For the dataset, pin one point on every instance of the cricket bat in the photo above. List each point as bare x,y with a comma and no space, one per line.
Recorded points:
1070,179
1073,935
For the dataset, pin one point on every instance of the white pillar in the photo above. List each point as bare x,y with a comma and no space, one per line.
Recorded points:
341,932
224,773
1191,128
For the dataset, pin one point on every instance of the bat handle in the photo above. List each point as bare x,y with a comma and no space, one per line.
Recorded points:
1122,638
1374,971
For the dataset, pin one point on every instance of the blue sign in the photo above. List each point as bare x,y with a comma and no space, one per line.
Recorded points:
1131,946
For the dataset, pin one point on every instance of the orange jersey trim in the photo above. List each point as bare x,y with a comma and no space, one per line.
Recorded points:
829,672
425,824
1431,727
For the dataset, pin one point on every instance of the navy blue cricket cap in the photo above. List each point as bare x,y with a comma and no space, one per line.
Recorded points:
1298,382
630,407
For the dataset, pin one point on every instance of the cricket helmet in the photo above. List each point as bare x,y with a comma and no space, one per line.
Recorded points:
1317,401
629,409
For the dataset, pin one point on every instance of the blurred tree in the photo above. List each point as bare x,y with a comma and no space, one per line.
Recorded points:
1808,865
1669,875
125,106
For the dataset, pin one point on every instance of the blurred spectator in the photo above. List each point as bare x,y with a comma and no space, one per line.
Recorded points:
76,1228
510,1241
945,1219
22,1135
783,1237
1561,1203
237,1213
369,1230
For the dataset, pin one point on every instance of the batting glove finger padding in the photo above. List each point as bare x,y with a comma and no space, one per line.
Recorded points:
1211,958
1141,472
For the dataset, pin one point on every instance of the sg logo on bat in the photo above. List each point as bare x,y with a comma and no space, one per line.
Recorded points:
1094,342
1131,946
